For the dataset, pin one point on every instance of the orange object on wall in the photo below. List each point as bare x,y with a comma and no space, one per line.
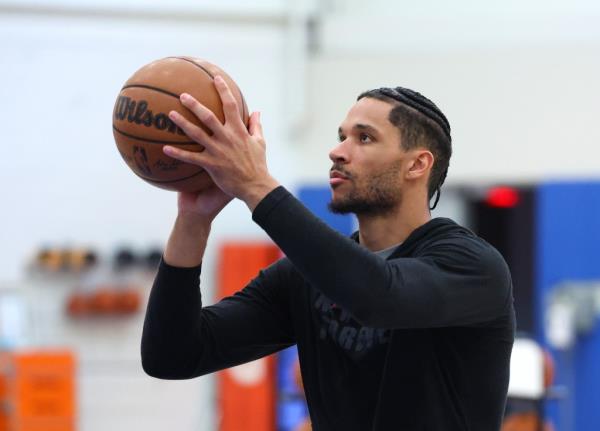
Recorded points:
4,390
247,393
39,391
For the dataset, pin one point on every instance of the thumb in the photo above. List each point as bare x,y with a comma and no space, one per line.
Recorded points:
255,127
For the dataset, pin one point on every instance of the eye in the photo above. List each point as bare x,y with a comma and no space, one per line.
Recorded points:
365,139
341,138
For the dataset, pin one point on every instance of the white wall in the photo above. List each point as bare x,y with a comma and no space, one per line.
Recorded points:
385,26
517,113
63,180
229,7
517,80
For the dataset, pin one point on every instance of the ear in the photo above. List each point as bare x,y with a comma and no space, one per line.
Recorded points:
420,164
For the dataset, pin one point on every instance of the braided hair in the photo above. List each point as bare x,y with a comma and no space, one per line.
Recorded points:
421,124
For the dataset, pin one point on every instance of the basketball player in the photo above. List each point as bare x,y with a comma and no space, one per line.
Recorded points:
407,325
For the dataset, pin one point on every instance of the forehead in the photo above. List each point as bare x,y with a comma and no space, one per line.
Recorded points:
369,111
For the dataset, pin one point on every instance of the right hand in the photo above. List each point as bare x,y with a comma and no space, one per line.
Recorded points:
205,204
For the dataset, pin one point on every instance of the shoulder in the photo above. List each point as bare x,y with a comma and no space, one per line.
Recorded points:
456,244
469,260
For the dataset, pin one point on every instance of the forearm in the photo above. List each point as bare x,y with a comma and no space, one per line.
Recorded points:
172,328
187,242
460,283
172,335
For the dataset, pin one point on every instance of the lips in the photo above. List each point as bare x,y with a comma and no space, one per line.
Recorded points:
336,178
337,174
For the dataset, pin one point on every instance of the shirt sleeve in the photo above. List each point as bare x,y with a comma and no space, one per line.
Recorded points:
455,282
181,339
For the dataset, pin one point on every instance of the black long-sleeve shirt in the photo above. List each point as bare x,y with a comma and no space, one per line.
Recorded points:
419,341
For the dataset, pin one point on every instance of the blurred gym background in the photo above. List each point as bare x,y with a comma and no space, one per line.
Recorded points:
81,235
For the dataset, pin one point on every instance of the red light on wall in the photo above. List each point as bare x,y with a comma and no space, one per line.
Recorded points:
502,197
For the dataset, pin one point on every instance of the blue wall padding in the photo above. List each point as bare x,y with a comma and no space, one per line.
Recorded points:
291,407
568,249
316,199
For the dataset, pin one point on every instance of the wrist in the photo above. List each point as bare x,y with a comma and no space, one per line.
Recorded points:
257,192
187,242
193,221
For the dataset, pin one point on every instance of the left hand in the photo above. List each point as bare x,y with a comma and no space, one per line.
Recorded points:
234,156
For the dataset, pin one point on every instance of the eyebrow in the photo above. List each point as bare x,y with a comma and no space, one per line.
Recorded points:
362,127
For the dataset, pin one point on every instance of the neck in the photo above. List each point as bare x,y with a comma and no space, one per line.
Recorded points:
378,232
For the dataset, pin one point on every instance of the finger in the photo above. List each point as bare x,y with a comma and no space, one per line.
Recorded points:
230,106
195,158
205,115
195,133
255,126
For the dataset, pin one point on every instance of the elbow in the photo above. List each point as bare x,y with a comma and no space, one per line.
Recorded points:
165,373
152,363
154,368
152,371
160,368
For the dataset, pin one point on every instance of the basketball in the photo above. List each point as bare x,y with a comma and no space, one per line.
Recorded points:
141,124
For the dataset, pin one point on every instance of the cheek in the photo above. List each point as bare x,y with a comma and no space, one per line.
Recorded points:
389,175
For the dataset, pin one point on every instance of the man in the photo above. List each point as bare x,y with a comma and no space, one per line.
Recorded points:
408,325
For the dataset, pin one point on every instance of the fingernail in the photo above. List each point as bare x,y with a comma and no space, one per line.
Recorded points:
184,96
173,115
168,150
219,79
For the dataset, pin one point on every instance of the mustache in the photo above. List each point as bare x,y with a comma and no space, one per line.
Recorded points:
341,170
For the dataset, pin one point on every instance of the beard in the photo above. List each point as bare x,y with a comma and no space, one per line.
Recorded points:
375,194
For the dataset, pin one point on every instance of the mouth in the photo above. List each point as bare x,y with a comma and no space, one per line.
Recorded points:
336,178
334,182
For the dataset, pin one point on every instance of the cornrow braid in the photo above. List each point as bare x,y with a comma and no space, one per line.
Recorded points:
442,148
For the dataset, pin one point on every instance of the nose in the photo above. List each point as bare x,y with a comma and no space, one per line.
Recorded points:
338,154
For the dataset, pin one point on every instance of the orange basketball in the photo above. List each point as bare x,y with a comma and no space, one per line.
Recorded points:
141,125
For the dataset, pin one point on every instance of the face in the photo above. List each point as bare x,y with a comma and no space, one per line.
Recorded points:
368,162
